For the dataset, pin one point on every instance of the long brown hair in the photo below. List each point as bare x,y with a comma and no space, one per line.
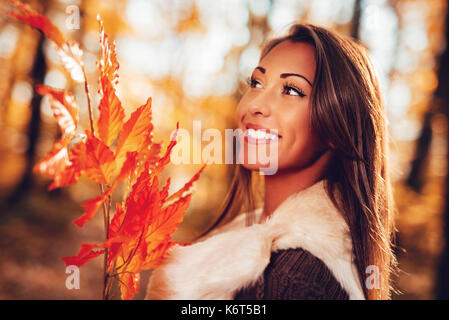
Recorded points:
347,111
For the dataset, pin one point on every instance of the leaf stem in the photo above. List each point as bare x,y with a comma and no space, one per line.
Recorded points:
106,210
89,105
106,278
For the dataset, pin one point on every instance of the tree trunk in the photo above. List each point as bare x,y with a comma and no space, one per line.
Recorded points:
416,176
26,182
355,23
443,94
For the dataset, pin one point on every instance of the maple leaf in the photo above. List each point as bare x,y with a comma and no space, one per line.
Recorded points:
108,63
72,59
72,171
38,21
64,106
66,176
60,164
117,220
156,255
92,206
110,121
135,131
100,165
69,51
86,253
55,162
129,284
157,165
149,155
114,241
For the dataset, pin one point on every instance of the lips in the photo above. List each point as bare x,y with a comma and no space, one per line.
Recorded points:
258,134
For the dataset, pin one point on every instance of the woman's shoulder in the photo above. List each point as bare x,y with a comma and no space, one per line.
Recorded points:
298,274
295,274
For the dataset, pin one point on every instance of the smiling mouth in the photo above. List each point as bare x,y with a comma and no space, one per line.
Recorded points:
258,136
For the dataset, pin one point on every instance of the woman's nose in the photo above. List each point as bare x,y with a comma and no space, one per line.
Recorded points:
260,106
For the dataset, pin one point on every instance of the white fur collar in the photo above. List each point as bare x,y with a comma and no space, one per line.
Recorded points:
235,256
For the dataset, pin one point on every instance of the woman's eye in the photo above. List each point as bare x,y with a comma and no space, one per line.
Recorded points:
252,82
293,91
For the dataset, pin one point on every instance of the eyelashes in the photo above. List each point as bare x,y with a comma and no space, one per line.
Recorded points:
288,86
291,86
251,82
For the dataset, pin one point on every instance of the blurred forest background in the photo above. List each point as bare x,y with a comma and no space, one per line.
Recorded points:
192,57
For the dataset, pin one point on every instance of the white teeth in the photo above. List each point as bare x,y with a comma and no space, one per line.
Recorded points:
261,134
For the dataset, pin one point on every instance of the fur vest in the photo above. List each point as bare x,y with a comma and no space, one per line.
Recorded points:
235,256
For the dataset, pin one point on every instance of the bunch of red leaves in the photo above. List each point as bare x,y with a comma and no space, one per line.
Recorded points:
113,151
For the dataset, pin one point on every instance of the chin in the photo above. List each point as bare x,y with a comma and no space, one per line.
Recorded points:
252,166
263,168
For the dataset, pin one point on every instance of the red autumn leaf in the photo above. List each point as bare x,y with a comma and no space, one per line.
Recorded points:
156,256
91,206
72,59
86,253
69,175
110,121
134,132
149,155
116,222
100,165
167,222
128,284
114,228
55,162
151,248
160,163
108,64
72,172
142,200
36,20
128,167
69,51
64,106
60,164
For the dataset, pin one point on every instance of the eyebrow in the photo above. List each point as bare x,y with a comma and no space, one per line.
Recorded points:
285,75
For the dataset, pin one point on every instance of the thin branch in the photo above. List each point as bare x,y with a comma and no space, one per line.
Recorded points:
89,105
106,210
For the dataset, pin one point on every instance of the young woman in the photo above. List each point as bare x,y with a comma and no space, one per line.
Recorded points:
326,227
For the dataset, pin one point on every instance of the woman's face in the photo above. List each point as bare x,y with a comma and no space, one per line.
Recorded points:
278,99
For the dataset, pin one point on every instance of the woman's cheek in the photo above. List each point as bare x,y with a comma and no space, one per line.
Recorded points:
296,146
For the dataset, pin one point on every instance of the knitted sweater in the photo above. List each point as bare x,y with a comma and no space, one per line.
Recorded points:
303,251
294,274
